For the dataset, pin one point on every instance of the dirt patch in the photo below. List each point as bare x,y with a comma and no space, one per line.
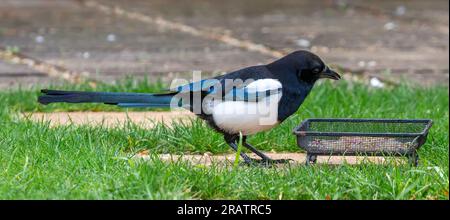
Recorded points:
110,119
297,158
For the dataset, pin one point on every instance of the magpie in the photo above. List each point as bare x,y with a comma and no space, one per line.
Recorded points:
245,101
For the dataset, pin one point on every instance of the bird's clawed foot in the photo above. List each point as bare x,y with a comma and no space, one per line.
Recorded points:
264,161
267,162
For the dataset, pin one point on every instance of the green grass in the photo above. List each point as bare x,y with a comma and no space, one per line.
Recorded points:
81,162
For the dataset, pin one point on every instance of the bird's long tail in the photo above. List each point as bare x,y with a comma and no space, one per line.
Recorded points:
112,98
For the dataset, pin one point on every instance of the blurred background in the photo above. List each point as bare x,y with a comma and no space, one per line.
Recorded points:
50,41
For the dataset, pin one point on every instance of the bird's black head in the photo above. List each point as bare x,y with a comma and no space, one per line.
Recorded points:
307,67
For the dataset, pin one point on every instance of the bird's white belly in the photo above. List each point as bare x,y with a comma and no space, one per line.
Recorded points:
246,117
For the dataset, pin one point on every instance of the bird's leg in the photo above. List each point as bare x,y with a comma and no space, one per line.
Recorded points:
253,149
231,141
264,158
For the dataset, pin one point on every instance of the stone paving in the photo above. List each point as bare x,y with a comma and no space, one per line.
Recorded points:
398,39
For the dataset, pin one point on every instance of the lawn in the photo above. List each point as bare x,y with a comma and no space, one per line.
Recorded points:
82,162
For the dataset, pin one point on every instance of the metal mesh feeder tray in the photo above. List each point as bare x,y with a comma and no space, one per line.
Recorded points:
372,137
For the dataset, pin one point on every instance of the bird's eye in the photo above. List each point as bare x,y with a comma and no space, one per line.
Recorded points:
316,70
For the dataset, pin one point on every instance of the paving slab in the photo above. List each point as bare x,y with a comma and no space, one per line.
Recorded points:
402,37
83,39
358,35
14,76
111,119
297,159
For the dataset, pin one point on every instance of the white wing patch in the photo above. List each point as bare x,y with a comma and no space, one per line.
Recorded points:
250,117
264,85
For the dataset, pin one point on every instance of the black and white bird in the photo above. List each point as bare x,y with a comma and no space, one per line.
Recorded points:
246,101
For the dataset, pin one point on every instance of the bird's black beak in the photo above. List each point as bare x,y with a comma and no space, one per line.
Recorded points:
330,74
